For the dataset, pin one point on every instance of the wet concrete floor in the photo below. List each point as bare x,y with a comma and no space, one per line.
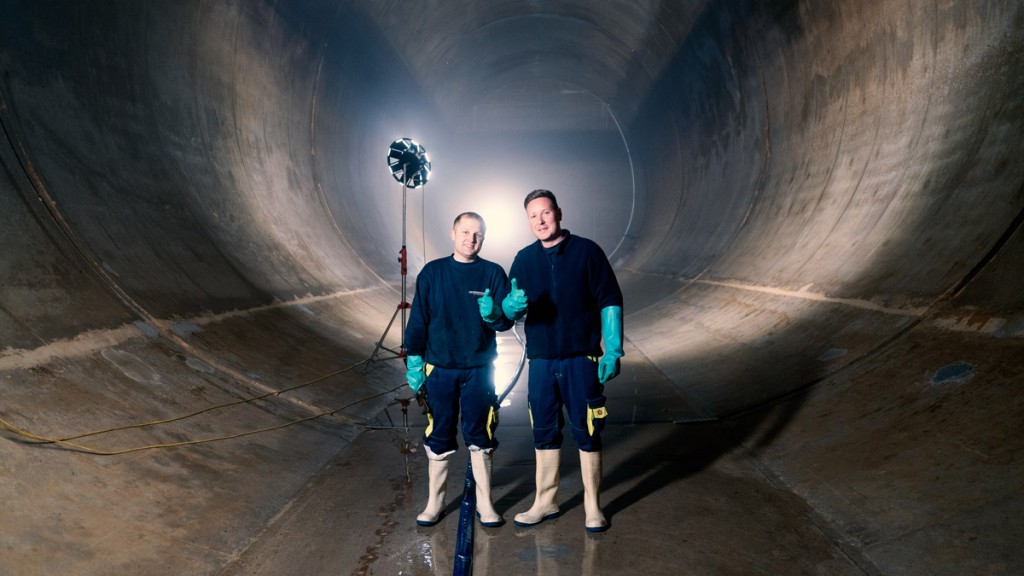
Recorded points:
676,503
335,496
682,498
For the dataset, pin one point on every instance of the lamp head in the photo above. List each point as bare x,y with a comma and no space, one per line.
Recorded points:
409,163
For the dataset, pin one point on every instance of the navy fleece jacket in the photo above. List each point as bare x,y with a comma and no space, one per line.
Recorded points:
444,325
566,288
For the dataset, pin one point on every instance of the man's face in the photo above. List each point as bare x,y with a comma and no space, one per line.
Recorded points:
545,219
467,239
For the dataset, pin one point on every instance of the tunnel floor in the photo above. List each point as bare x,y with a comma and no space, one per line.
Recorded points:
683,495
671,511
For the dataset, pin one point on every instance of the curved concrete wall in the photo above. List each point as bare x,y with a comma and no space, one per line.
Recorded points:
835,158
815,209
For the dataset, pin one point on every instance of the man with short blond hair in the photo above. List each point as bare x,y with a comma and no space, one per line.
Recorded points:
450,341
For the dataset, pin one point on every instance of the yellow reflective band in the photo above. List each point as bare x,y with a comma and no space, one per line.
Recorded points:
429,368
529,410
430,425
492,423
593,414
594,359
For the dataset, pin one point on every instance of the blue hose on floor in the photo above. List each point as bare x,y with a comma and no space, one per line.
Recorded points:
464,539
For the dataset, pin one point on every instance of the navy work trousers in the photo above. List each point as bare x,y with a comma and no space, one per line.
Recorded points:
450,389
572,383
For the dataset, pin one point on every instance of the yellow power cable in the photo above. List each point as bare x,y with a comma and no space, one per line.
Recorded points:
94,451
208,409
79,447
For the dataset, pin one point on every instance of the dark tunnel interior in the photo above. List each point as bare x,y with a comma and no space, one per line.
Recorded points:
814,210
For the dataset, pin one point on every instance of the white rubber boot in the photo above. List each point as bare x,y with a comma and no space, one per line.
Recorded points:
544,505
482,463
437,474
590,468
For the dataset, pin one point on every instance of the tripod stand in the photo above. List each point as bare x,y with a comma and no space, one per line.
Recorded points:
410,166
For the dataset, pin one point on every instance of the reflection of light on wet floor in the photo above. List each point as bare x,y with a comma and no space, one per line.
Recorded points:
509,354
423,553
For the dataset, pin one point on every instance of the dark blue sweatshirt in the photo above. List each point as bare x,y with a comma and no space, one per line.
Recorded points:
444,325
566,288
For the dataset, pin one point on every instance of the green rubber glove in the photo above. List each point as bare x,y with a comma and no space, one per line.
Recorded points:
487,311
611,329
514,305
415,375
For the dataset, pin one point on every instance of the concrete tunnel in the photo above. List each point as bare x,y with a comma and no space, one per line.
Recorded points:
814,210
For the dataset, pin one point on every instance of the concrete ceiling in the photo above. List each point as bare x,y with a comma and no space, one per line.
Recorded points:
536,66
